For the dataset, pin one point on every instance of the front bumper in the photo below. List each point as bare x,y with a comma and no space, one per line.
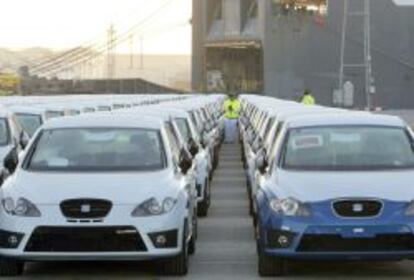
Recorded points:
389,236
117,237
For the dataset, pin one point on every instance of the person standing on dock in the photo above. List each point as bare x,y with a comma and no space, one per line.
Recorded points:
231,108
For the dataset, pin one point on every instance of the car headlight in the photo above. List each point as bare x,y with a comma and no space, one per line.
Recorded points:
152,207
289,207
409,211
22,207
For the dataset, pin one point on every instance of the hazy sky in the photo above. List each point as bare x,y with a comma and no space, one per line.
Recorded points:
62,24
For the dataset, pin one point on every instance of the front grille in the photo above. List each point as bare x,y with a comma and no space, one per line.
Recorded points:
357,208
85,208
336,243
85,239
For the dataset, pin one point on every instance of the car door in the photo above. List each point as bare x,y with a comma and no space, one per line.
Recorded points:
188,178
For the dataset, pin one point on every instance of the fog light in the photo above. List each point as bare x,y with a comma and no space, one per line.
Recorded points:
10,240
13,240
164,239
161,240
279,239
283,240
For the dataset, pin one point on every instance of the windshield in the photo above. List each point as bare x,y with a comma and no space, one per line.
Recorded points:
183,127
348,148
4,132
104,108
97,149
29,122
53,114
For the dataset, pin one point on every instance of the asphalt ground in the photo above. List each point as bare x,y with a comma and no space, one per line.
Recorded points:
225,248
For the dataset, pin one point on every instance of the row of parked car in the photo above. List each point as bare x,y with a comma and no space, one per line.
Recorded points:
326,183
117,178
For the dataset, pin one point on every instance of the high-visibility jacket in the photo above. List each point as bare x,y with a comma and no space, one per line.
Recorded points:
308,100
232,108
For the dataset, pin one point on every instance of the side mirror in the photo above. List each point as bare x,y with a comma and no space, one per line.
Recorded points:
185,161
193,147
256,144
261,163
24,140
251,137
11,161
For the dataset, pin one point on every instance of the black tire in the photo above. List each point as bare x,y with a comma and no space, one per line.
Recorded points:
205,204
178,265
194,236
11,267
271,266
192,245
251,212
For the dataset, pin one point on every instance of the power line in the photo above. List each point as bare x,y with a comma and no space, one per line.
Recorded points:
84,51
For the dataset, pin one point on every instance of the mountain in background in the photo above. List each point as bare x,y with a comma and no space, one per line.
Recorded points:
169,70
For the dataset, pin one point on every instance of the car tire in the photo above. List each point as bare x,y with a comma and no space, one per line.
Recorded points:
271,266
11,267
178,265
192,245
205,204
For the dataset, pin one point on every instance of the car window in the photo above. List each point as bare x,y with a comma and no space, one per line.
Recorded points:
348,148
29,122
4,132
98,149
172,141
183,127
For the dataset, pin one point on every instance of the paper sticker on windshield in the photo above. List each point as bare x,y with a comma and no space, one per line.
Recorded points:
345,137
58,162
307,142
100,136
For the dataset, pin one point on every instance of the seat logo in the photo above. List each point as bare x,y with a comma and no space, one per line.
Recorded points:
85,208
357,207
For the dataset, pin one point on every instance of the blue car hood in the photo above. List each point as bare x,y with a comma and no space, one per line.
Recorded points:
397,185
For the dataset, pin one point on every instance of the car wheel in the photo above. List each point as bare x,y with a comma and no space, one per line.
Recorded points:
192,245
205,204
178,265
11,267
249,196
271,266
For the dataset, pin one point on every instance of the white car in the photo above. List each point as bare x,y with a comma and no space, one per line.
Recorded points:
182,124
13,140
29,118
98,187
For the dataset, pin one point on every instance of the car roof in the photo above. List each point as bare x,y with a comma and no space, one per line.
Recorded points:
105,120
26,109
351,118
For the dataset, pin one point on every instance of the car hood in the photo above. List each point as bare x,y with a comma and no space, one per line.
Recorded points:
320,186
118,187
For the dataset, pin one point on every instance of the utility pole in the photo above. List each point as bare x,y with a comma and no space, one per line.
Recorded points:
131,49
343,39
141,43
111,61
369,87
369,80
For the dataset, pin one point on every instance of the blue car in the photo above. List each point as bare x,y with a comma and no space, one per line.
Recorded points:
338,186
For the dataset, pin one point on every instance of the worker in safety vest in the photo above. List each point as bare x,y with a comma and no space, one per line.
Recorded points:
307,98
231,108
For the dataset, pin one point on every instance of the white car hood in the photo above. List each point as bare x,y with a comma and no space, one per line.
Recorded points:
118,187
319,186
